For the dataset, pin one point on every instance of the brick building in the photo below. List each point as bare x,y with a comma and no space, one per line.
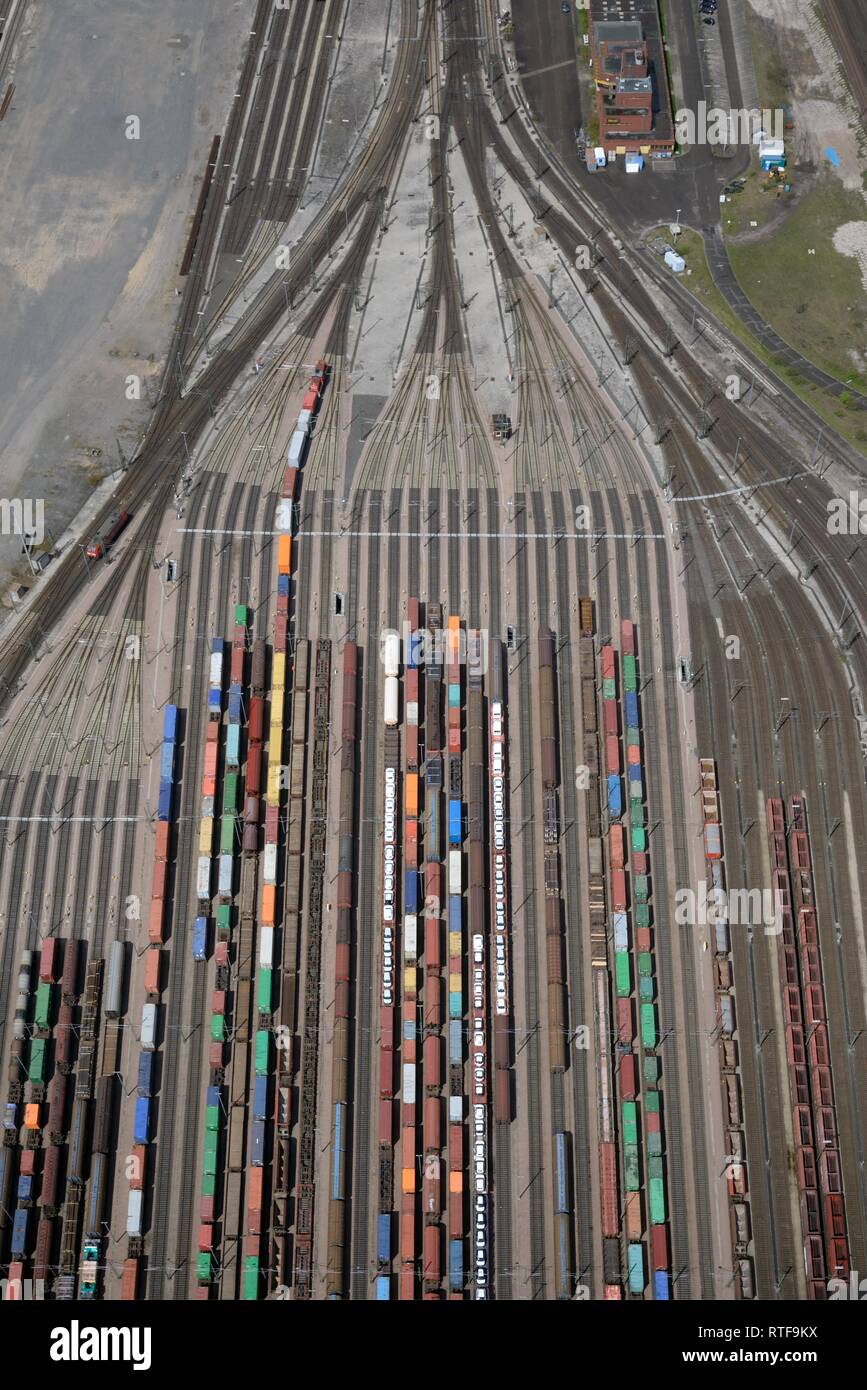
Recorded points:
633,105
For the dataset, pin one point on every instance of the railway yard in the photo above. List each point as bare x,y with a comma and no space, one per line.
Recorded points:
432,838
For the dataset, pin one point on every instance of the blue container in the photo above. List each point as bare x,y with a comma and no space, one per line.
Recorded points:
170,723
409,1030
634,772
233,745
415,648
660,1285
167,762
212,1096
19,1231
234,704
383,1288
455,826
456,1264
456,1005
454,696
456,1042
282,583
142,1128
25,1187
257,1147
164,804
561,1184
455,918
145,1073
615,803
200,938
215,700
218,644
383,1238
338,1150
260,1098
632,708
410,891
635,1257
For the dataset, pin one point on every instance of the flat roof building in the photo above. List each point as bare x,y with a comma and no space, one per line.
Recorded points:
633,104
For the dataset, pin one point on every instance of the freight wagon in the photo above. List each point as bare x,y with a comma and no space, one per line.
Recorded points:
106,539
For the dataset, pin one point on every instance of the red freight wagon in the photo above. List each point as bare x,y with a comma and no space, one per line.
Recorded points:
255,1177
633,755
281,631
432,1252
659,1247
158,879
822,1090
139,1167
152,972
627,637
790,965
212,732
386,1133
215,1056
838,1258
206,1208
290,479
210,759
386,1073
42,1253
609,717
432,934
221,953
206,1238
625,1029
386,1026
456,1146
155,921
218,1001
612,754
502,1096
615,846
48,955
802,1125
653,1121
608,1185
612,1291
129,1282
798,1084
795,1051
815,1001
454,740
792,1005
456,1214
640,864
829,1173
627,1075
432,1198
272,824
607,663
256,722
412,745
251,1245
433,1002
835,1215
49,1176
806,1163
161,846
432,1122
800,851
810,1219
28,1162
407,1284
642,938
634,1224
807,926
432,1063
618,890
237,666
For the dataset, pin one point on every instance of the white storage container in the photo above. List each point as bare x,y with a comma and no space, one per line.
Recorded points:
225,880
391,652
216,669
133,1212
454,871
203,879
408,1090
410,936
149,1027
266,947
391,705
269,869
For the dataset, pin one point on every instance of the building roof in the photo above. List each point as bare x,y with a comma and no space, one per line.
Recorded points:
618,31
635,84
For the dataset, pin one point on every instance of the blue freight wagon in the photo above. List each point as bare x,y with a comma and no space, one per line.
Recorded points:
383,1238
660,1285
170,723
283,584
615,803
167,762
456,1264
432,834
410,891
456,1005
383,1288
19,1231
561,1181
142,1127
260,1098
233,745
164,804
454,695
234,704
632,708
455,921
218,645
200,938
415,648
635,772
25,1187
215,701
455,823
212,1096
145,1073
257,1146
456,1043
409,1030
338,1150
635,1257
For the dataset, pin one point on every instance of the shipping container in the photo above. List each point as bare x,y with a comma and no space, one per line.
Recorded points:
145,1074
200,938
635,1263
141,1128
149,1027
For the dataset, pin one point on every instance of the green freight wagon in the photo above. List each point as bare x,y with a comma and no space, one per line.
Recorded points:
43,1006
224,918
648,1026
651,1069
609,688
630,1123
227,835
639,839
241,615
642,915
218,1028
209,1184
212,1117
212,1141
622,974
230,792
629,671
251,1277
633,739
654,1141
203,1267
209,1166
263,992
636,790
645,988
636,813
657,1202
36,1070
654,1167
651,1103
641,888
263,1052
630,1168
645,963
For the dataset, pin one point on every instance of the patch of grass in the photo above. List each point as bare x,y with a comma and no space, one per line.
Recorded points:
758,202
815,301
700,284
